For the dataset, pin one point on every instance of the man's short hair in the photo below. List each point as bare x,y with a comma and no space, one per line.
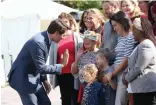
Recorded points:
113,2
105,52
57,25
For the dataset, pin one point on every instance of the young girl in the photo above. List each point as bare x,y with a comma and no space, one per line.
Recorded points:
93,91
85,55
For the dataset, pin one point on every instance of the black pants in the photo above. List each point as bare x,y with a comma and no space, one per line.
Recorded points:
66,83
38,98
145,98
75,97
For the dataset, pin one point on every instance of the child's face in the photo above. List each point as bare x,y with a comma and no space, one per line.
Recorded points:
87,77
88,44
127,7
100,61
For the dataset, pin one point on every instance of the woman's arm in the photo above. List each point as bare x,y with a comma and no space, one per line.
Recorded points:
74,67
111,82
121,67
145,55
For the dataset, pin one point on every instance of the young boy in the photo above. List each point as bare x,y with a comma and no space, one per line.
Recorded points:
93,90
103,57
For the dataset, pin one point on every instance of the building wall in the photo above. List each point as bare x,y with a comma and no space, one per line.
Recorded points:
44,24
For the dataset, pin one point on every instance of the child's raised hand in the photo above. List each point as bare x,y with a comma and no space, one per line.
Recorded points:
109,76
80,52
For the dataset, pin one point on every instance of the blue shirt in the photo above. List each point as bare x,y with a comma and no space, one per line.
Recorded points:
93,94
110,37
108,91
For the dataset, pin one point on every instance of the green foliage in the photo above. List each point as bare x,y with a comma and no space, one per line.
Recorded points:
81,4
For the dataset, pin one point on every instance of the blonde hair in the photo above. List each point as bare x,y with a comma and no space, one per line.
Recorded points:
89,69
136,11
98,14
93,33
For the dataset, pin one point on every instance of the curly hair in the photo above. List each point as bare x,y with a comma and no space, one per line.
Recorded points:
89,69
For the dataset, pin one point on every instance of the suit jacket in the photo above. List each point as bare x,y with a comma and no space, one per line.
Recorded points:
141,69
30,69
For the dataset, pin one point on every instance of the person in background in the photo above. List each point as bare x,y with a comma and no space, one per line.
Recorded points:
140,76
29,70
76,16
83,23
143,5
93,91
104,70
153,12
126,43
72,42
95,20
130,7
150,17
110,37
85,55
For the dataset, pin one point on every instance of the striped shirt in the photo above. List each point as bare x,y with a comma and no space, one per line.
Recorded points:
124,48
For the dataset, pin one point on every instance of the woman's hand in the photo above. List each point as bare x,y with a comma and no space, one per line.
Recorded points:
104,79
123,79
109,76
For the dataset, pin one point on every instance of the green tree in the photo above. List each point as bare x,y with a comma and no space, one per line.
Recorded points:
81,4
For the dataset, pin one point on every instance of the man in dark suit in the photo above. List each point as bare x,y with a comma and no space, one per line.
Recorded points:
29,69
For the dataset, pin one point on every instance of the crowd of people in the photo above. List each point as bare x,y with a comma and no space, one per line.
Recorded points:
94,61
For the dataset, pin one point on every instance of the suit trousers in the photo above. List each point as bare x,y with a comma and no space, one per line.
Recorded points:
145,98
38,98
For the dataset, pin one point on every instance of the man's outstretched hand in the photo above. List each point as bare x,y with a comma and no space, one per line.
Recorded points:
65,57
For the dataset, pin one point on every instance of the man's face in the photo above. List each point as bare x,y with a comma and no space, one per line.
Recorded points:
108,9
57,36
